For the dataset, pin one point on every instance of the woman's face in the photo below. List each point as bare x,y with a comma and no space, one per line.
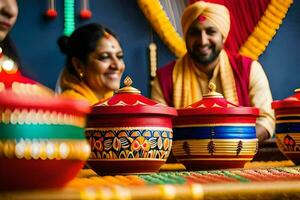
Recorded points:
8,16
105,66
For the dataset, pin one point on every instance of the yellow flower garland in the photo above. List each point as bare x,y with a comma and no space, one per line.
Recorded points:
266,28
253,47
154,12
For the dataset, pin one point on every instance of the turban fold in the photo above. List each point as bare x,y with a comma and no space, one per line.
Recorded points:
216,13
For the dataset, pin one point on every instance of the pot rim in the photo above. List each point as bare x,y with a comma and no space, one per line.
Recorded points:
218,111
9,99
134,110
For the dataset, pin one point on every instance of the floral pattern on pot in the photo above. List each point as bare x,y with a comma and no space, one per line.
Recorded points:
133,143
288,142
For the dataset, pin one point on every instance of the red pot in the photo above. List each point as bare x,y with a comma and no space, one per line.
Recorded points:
214,133
41,136
287,114
129,133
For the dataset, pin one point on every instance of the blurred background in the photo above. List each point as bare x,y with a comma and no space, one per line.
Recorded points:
35,37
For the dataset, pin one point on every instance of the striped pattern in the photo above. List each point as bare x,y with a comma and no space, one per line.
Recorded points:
34,117
45,149
224,176
215,132
89,178
199,148
274,183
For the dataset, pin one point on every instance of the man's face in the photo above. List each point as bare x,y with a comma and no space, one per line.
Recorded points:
204,42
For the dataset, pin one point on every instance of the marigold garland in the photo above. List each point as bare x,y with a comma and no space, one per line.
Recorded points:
253,47
154,12
266,28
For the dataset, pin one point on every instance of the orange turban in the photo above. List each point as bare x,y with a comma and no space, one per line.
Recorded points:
216,13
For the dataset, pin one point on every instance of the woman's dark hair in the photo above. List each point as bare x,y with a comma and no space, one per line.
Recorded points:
9,49
81,43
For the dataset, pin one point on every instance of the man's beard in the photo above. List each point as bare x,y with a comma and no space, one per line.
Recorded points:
202,60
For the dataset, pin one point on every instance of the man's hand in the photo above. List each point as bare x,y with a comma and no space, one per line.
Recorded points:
261,133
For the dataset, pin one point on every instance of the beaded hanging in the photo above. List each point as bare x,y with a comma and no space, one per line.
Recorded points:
69,20
51,12
85,12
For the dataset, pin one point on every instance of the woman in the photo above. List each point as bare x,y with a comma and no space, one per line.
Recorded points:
94,64
10,72
8,18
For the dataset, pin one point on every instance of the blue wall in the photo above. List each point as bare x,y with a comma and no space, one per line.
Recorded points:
36,38
280,60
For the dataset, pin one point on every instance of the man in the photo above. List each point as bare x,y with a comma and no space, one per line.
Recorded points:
241,80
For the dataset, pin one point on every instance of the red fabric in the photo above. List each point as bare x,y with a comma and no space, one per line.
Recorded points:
244,16
241,67
164,75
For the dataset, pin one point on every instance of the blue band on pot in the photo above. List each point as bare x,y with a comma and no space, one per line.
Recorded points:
288,127
217,132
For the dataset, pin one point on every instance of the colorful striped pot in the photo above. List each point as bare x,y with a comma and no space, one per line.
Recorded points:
214,134
42,144
287,114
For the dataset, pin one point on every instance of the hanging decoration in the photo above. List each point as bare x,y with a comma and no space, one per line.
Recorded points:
69,19
152,58
266,28
254,44
51,12
85,12
153,61
155,13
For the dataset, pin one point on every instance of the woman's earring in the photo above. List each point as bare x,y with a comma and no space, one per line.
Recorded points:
81,76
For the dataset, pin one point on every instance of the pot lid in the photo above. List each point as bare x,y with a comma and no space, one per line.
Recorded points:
289,102
128,100
214,103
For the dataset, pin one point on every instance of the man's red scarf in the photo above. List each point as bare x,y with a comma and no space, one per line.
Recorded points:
241,66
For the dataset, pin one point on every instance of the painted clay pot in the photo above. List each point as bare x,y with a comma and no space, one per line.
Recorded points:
42,144
287,114
215,134
129,133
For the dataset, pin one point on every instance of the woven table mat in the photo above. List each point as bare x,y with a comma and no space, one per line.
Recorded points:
89,178
248,183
